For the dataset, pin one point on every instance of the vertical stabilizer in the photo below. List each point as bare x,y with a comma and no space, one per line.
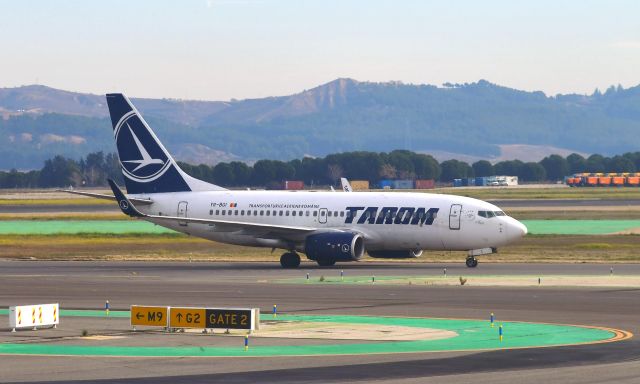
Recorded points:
147,166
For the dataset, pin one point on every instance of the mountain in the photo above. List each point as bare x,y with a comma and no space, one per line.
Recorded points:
477,120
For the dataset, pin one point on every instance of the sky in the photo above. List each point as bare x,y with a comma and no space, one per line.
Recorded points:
224,49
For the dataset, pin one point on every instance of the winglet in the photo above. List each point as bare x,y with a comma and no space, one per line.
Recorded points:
124,203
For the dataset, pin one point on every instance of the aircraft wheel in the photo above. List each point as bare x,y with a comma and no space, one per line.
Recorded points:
472,262
290,260
326,262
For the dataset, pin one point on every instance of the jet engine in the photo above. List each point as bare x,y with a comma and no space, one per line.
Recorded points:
396,254
327,248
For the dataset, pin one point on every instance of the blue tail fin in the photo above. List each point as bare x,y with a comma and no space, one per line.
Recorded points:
146,164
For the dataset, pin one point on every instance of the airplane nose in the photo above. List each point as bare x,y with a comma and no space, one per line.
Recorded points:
519,229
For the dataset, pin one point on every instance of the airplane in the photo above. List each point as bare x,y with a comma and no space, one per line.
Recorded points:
346,186
327,227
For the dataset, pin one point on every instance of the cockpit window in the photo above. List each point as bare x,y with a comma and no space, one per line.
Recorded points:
490,214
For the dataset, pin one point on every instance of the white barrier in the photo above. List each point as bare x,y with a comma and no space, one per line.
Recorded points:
34,316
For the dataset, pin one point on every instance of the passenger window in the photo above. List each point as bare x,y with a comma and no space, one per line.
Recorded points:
329,213
248,213
217,211
211,212
235,213
229,212
300,213
293,213
242,213
268,213
280,214
286,213
307,213
315,213
255,212
274,213
261,213
335,213
224,212
341,213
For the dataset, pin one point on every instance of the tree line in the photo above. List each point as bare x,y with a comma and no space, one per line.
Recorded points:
95,168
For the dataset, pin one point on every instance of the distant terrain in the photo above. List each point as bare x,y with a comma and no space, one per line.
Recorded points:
467,121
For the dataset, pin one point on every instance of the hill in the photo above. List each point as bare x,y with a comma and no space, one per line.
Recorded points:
474,120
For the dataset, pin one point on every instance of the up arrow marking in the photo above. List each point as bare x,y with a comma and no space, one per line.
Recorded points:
179,316
139,315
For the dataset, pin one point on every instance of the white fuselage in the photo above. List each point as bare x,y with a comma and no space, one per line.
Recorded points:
388,220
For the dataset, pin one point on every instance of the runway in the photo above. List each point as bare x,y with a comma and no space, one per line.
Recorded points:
88,284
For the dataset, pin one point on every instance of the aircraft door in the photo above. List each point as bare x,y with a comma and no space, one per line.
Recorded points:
454,216
322,216
182,212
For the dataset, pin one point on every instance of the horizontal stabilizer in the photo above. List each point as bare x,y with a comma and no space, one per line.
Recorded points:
105,197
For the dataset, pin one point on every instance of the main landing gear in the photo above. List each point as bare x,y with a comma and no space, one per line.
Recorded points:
290,260
472,262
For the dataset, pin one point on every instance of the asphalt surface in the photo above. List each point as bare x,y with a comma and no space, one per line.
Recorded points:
87,285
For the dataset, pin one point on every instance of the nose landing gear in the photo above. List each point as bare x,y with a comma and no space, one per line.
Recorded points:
290,260
472,262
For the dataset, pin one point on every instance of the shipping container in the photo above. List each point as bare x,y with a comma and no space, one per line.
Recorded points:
481,181
618,181
359,185
293,185
425,184
592,181
457,182
386,184
403,184
633,181
604,181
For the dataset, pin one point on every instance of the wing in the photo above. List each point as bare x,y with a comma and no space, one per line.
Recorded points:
106,197
255,229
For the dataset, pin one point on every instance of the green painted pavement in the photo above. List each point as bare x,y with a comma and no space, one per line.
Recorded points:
471,335
579,227
51,227
72,227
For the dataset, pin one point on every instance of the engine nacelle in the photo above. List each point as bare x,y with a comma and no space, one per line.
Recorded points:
396,254
334,246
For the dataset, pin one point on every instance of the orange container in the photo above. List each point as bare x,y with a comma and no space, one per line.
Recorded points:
618,181
592,181
604,181
633,180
